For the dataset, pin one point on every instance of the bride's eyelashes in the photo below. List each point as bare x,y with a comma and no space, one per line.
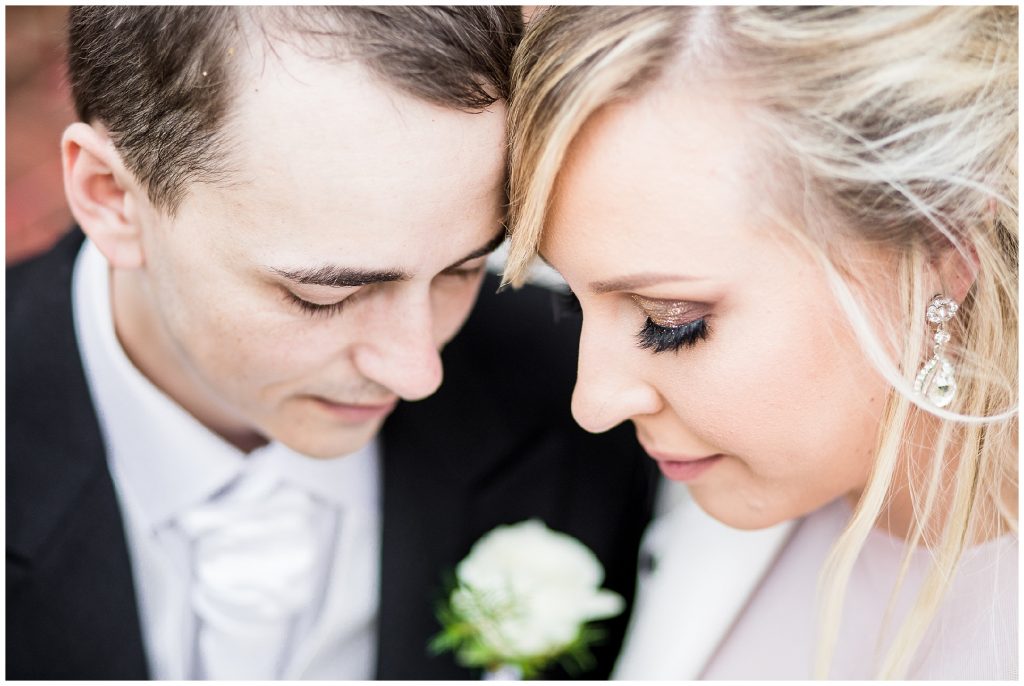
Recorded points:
660,338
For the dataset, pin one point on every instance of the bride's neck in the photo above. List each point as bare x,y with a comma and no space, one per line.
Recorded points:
991,513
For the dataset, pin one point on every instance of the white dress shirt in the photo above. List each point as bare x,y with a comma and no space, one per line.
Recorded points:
164,463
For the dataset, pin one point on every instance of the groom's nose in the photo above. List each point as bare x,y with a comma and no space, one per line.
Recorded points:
399,350
609,386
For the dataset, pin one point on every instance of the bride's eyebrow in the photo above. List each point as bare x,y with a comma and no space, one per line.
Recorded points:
642,280
634,281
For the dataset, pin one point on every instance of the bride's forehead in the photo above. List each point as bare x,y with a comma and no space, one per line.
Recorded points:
679,147
657,182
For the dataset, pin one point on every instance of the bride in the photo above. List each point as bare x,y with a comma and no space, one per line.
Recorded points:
792,233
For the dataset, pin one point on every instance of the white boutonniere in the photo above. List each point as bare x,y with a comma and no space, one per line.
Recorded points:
524,598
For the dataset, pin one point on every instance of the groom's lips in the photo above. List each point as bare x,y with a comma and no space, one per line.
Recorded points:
351,413
682,467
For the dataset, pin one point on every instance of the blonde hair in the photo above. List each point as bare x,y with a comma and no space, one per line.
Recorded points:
899,127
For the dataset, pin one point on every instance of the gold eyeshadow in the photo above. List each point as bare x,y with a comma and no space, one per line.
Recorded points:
671,313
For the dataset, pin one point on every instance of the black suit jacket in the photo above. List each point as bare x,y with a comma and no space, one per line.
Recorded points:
495,445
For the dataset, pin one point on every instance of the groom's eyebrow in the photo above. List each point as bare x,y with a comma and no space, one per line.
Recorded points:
341,277
334,276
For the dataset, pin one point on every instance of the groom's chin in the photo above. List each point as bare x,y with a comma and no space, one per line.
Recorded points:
328,440
334,446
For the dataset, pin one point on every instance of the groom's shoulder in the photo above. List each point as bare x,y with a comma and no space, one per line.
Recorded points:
44,369
53,438
40,330
39,285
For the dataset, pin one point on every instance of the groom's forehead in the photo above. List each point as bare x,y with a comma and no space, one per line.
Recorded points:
163,81
334,166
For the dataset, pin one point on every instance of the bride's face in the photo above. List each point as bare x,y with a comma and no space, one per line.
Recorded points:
702,323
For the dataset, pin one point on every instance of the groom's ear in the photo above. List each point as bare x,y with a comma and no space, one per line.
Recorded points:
102,194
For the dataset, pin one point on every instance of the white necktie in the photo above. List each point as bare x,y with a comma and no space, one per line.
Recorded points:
254,552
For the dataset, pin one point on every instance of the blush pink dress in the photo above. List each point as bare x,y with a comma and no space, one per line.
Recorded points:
974,635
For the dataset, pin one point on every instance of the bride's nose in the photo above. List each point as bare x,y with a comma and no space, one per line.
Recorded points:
609,385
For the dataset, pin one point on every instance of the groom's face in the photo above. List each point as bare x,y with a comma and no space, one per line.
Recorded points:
315,288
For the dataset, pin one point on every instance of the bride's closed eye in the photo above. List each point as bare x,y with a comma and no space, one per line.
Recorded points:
671,325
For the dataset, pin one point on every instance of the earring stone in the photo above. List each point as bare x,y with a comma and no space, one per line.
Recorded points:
937,379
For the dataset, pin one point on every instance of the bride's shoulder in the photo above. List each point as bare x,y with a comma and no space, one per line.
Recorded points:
696,575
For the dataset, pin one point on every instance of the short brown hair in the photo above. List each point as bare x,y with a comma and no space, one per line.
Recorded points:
159,80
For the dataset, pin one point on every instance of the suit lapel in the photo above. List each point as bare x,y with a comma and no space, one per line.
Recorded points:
704,573
69,583
423,523
437,453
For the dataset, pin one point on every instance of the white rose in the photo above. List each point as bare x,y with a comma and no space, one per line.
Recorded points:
529,590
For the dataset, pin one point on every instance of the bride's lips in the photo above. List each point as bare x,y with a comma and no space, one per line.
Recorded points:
682,467
354,414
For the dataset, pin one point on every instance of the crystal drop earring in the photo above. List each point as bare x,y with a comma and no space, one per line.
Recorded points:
936,380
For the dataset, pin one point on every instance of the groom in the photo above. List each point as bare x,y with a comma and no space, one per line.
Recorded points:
214,465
